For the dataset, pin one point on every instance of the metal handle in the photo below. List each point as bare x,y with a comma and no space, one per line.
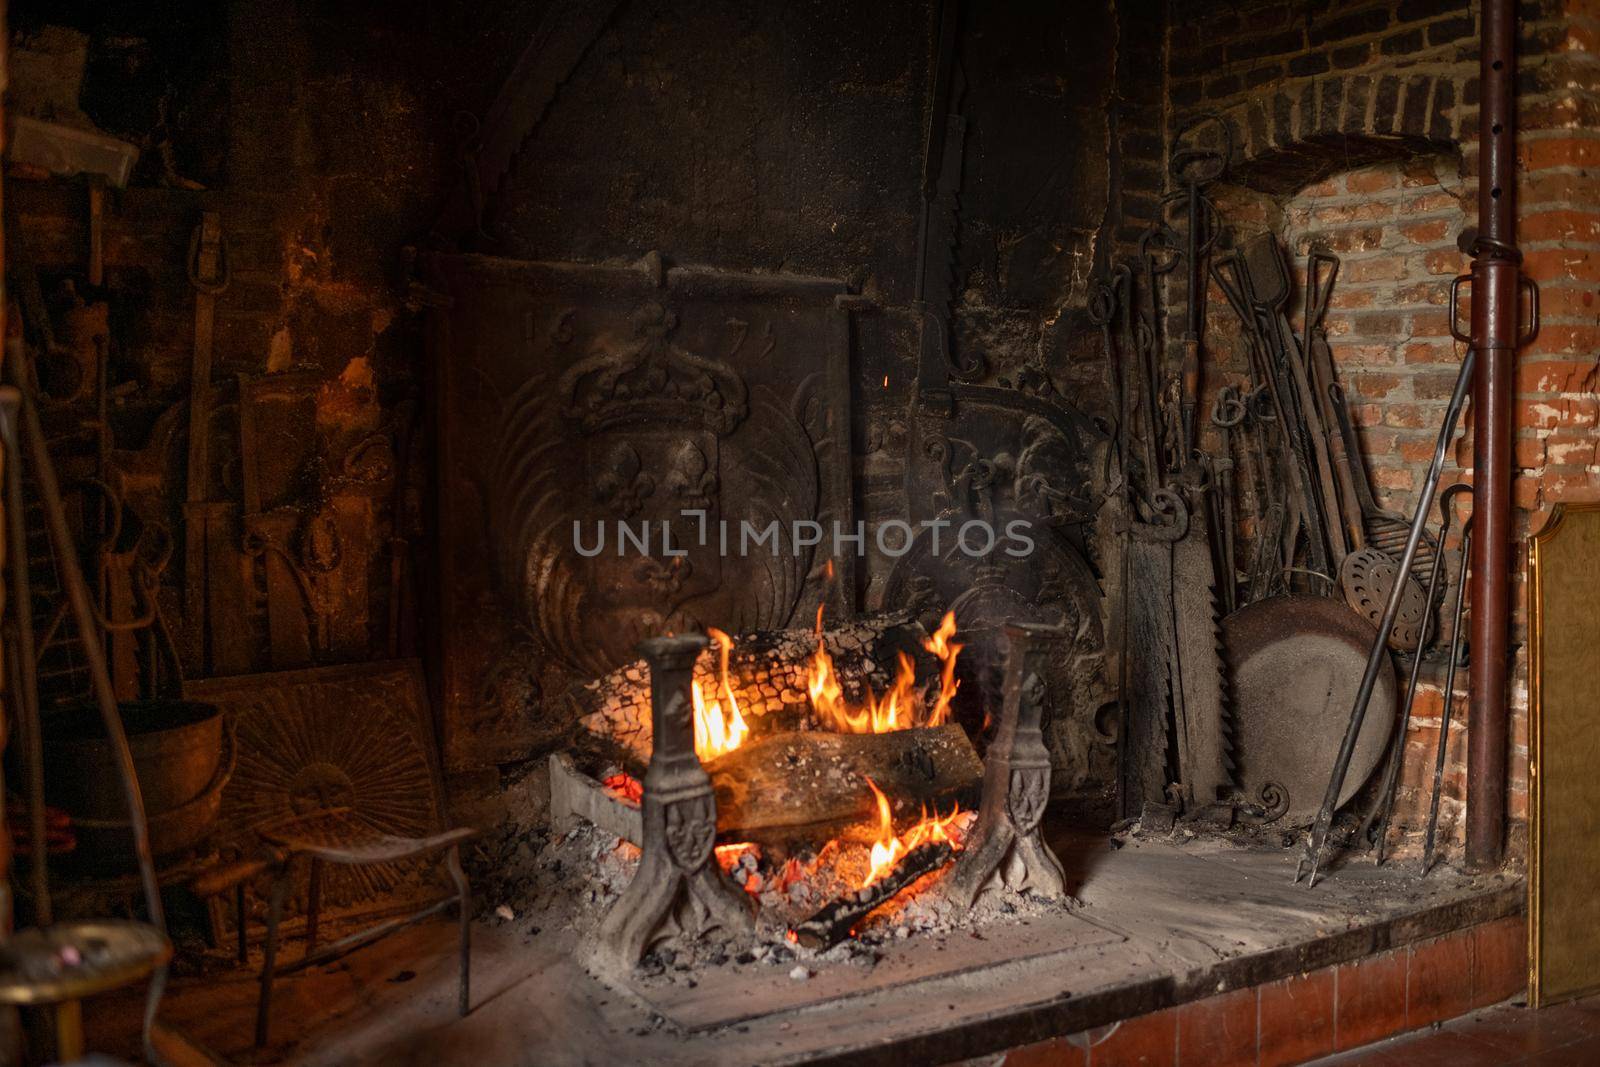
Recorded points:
1455,290
1523,283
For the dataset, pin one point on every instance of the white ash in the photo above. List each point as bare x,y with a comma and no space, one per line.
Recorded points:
576,877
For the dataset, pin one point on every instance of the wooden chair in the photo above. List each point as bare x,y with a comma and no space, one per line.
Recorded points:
334,837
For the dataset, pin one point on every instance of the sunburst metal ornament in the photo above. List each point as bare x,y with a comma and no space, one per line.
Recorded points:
350,743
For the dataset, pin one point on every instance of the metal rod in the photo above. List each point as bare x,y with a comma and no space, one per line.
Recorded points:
77,590
1449,701
1377,656
1495,283
1384,810
25,685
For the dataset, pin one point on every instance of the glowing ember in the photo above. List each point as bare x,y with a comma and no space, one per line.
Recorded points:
625,787
888,849
898,709
718,729
728,856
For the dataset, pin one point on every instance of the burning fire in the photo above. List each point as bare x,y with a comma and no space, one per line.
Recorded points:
898,709
718,731
888,849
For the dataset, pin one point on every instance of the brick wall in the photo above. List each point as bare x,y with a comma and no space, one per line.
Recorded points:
1357,129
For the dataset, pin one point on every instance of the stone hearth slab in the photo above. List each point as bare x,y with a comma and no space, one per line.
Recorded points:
731,995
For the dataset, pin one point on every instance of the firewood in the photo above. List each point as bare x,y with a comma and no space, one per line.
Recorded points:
811,781
769,671
837,919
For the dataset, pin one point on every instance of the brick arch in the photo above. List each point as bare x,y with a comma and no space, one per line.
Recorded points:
1288,137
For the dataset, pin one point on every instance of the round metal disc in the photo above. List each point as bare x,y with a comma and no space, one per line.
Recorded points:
1295,663
1367,577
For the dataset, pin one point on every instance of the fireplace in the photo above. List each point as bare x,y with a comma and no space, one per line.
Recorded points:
812,532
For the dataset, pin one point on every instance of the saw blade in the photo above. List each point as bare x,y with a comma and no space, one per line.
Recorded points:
1200,708
1150,652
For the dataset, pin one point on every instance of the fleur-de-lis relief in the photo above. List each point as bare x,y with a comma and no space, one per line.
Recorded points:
622,482
690,476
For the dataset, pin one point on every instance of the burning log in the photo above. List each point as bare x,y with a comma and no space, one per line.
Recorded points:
836,920
771,676
812,782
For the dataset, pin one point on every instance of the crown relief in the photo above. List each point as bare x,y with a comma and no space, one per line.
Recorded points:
649,379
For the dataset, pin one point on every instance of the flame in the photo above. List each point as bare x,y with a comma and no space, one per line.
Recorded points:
947,651
898,709
717,732
888,849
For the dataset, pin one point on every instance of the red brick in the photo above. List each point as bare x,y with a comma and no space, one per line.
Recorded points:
1397,479
1371,181
1559,225
1431,352
1419,172
1571,449
1351,239
1296,1022
1408,416
1434,294
1359,211
1219,1031
1445,262
1375,269
1436,986
1435,385
1570,300
1143,1041
1351,298
1529,453
1558,152
1552,264
1426,233
1371,999
1557,376
1372,385
1566,339
1435,200
1056,1052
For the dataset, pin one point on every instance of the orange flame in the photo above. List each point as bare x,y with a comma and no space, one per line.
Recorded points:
718,731
898,709
888,849
947,651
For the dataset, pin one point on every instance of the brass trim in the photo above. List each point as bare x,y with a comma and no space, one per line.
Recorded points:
1537,544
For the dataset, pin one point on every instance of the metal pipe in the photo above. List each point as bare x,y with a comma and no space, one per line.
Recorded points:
1495,284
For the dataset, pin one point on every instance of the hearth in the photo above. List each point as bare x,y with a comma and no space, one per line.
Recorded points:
790,864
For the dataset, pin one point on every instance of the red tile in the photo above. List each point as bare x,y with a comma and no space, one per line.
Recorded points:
1296,1018
1056,1052
1371,999
1499,960
1219,1031
1440,982
1143,1041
